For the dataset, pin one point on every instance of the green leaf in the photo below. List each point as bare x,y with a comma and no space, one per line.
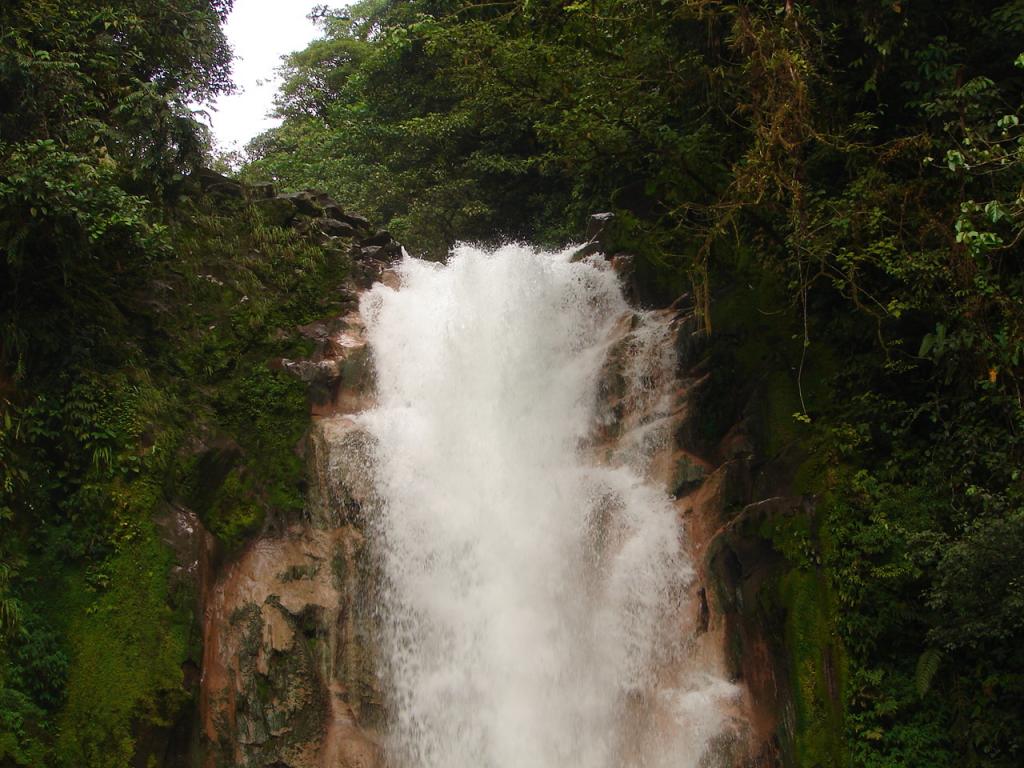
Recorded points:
927,667
926,344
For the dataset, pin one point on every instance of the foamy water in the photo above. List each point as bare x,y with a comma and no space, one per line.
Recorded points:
532,596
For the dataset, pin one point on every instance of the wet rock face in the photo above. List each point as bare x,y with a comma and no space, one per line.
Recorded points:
651,393
288,668
288,672
726,493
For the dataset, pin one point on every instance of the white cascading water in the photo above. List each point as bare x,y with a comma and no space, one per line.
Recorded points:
532,593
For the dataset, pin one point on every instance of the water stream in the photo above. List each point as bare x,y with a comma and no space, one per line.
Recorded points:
535,610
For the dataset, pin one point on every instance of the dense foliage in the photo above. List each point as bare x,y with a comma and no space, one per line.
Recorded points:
838,184
859,166
137,316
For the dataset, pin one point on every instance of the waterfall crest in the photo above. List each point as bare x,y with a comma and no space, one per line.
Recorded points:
534,588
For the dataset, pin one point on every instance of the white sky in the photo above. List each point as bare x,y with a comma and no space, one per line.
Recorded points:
260,32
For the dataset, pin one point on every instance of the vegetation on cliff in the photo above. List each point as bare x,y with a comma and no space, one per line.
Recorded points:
139,306
837,184
859,167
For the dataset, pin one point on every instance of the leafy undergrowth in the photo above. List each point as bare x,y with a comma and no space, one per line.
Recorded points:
100,447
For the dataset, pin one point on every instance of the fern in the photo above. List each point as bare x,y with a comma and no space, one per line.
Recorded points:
927,667
10,609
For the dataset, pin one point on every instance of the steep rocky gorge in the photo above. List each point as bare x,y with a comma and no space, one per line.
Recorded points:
289,671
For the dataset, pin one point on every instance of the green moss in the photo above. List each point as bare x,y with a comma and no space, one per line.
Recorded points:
235,512
299,572
253,284
266,411
755,352
759,351
190,412
818,669
127,649
340,567
687,476
255,467
779,426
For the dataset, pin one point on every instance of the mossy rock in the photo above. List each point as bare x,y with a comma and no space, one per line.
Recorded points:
687,476
276,211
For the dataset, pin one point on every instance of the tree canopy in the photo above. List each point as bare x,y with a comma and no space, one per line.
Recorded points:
837,185
95,127
862,163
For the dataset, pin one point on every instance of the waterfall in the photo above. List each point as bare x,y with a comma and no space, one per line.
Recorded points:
535,610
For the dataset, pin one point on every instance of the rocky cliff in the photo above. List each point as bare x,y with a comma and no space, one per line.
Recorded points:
287,675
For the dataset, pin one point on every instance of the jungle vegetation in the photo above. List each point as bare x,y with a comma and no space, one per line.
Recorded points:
856,169
839,186
137,316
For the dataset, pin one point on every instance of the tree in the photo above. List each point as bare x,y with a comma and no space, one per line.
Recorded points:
863,157
95,127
